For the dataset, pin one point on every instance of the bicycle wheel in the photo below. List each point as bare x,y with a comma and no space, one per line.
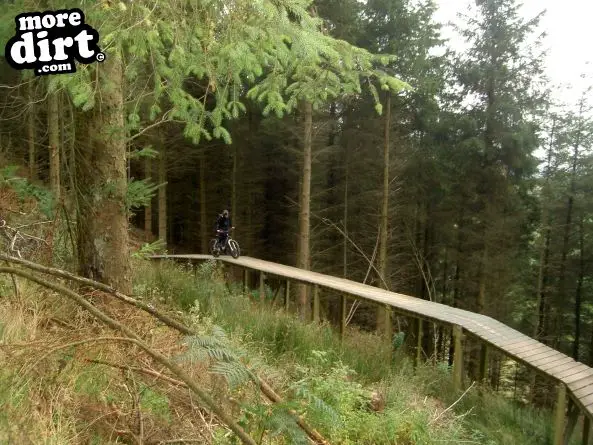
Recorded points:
234,246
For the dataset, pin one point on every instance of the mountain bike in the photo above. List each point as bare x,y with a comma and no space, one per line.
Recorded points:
233,246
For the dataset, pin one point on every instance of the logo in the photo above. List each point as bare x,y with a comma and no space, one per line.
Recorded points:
49,42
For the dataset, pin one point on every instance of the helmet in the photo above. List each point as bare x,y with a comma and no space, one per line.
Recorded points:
225,213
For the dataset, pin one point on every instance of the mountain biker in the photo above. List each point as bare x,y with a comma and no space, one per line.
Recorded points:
223,226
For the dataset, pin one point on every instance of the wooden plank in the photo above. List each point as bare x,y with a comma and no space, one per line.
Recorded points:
547,353
557,365
584,391
555,357
587,401
561,375
526,346
574,382
570,380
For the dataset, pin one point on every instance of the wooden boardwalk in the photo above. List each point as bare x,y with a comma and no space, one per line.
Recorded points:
573,377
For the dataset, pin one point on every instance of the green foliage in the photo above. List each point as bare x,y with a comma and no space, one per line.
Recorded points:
155,403
26,190
149,249
140,193
328,382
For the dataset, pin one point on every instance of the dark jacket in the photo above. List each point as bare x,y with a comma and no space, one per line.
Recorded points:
223,223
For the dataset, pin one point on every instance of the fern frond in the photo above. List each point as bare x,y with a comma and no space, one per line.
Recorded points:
234,373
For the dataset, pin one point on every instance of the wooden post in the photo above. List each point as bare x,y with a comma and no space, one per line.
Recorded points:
388,334
245,280
457,358
419,342
483,362
316,303
287,295
262,287
586,430
560,413
343,315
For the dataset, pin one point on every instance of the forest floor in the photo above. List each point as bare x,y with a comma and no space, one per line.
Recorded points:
66,380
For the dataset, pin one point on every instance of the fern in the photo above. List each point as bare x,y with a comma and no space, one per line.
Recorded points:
317,406
281,422
234,373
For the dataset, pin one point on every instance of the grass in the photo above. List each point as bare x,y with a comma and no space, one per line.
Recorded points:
414,398
63,398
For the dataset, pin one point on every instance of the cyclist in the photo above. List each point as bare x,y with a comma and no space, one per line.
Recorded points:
223,226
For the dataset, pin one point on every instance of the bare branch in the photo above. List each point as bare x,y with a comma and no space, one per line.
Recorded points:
133,338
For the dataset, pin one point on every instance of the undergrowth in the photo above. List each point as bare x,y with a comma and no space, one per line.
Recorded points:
335,380
76,394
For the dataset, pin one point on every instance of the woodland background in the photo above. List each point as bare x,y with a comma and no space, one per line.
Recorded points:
441,190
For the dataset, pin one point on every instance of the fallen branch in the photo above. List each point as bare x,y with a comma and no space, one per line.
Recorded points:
101,286
451,406
140,370
265,387
114,324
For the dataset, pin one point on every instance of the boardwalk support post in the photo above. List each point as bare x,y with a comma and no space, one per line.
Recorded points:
316,303
560,413
586,430
419,341
388,331
262,287
343,315
483,362
245,280
457,357
287,295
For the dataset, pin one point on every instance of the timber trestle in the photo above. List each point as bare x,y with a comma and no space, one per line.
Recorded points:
574,379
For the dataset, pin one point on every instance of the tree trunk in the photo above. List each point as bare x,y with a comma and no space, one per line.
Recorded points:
345,247
482,289
148,208
382,312
234,187
566,238
541,331
203,215
31,132
578,302
304,258
54,144
103,230
163,196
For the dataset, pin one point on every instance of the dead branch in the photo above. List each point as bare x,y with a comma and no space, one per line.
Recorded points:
452,405
265,388
146,371
114,324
